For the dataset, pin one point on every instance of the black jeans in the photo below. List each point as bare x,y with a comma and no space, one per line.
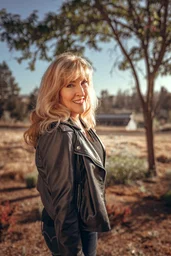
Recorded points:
89,241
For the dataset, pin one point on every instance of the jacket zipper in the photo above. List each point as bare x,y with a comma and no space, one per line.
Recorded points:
79,197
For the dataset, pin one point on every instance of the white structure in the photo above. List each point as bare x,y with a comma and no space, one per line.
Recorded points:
131,126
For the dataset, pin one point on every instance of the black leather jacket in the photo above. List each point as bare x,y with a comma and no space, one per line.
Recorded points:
58,155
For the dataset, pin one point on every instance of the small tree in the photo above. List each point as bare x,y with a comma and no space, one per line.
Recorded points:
140,29
32,99
9,89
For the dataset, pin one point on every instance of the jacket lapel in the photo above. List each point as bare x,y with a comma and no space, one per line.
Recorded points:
83,146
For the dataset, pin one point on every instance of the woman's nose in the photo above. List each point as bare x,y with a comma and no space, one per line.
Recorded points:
80,90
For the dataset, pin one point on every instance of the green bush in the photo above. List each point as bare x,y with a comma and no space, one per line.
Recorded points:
31,179
167,198
122,169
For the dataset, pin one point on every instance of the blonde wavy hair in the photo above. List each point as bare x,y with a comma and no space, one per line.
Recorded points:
65,68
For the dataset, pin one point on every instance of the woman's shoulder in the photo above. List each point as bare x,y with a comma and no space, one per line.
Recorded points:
57,133
66,127
57,128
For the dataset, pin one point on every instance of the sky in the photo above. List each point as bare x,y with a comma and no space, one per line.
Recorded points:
102,61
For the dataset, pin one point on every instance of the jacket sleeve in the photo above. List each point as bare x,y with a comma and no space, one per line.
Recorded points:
56,151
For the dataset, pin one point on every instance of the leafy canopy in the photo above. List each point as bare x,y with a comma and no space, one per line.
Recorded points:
143,27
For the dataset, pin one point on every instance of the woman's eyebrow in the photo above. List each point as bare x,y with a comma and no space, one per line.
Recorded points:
71,82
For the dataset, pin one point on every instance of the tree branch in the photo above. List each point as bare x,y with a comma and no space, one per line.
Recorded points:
166,61
124,25
114,30
158,62
163,45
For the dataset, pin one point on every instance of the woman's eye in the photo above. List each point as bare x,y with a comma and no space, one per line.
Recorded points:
69,85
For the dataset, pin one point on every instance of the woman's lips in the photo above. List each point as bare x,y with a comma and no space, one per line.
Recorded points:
80,101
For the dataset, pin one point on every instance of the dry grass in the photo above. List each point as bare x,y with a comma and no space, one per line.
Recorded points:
17,158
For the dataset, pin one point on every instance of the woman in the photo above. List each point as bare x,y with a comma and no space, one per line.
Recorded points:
69,158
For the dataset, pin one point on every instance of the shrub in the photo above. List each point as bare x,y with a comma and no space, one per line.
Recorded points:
122,169
167,198
31,179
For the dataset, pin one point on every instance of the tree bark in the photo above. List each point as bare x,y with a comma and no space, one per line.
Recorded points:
150,143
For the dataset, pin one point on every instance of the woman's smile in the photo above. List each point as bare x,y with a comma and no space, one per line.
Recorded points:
80,101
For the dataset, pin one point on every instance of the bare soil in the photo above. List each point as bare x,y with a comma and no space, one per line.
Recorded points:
139,216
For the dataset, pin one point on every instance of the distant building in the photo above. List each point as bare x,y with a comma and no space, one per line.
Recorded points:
132,125
120,119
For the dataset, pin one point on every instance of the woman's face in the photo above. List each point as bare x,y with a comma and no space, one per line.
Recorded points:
74,95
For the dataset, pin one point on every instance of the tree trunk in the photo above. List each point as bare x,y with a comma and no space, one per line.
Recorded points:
150,143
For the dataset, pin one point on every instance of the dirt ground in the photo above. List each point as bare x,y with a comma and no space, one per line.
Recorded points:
140,218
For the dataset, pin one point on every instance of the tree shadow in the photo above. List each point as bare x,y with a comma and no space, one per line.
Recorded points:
19,199
12,189
30,216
